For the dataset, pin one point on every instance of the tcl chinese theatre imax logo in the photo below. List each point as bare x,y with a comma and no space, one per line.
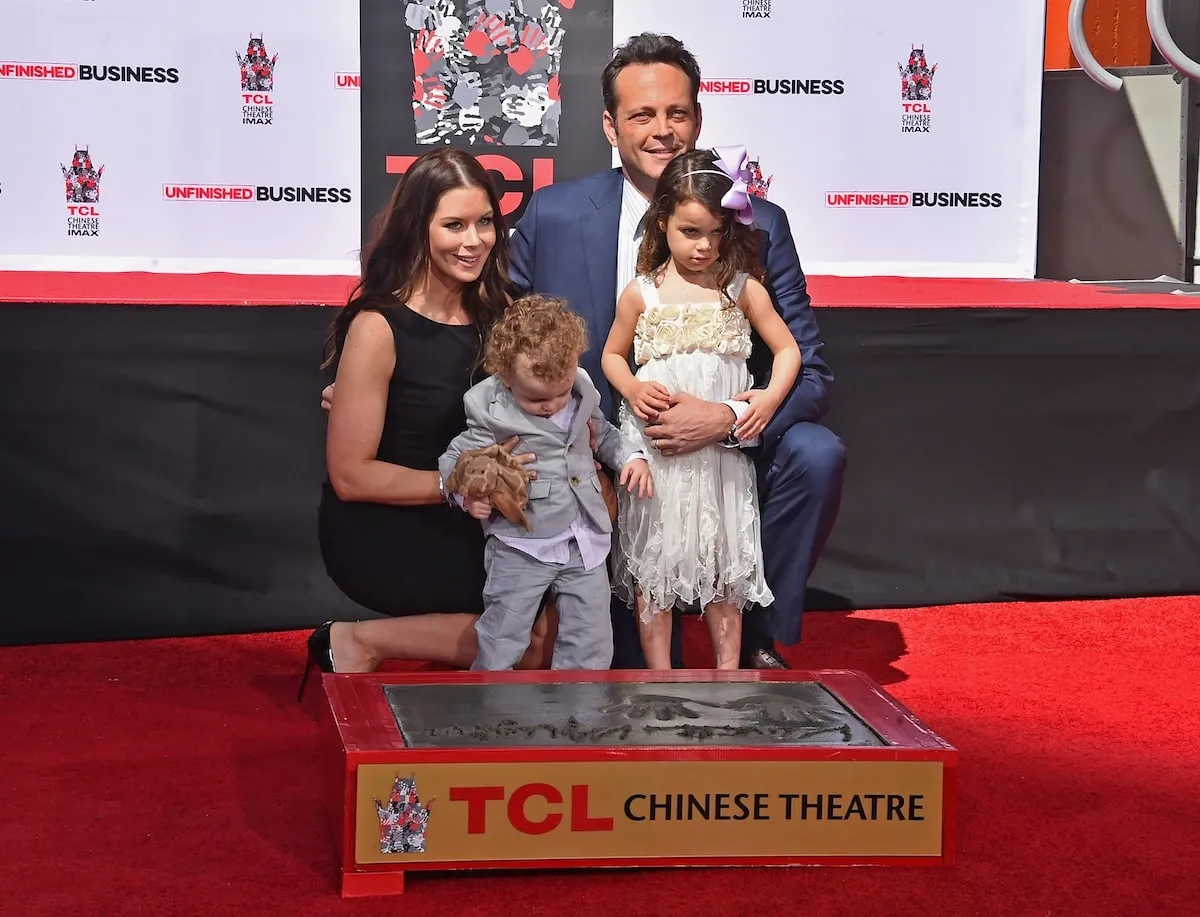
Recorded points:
257,71
916,93
82,180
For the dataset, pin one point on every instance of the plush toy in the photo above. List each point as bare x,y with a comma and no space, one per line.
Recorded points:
493,472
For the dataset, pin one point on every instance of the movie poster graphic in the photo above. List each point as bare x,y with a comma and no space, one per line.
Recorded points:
492,78
516,82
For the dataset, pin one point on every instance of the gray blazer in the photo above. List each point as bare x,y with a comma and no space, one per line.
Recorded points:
567,482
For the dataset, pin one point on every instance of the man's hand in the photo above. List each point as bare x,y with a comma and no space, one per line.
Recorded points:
327,397
636,475
689,424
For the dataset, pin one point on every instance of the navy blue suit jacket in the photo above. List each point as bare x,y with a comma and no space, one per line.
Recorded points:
565,245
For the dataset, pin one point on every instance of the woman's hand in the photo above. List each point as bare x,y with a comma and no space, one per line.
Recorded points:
648,399
525,460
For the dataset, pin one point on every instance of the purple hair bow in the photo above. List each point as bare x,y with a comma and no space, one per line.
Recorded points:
732,161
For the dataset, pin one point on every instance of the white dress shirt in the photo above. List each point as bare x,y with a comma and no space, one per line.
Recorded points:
629,233
629,240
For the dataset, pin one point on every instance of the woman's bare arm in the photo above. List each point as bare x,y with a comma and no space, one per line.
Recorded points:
356,423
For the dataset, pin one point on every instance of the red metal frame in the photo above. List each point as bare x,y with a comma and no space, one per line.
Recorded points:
360,729
226,289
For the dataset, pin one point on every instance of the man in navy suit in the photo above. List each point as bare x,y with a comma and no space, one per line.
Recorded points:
578,240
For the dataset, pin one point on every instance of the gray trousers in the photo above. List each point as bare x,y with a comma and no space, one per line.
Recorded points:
515,585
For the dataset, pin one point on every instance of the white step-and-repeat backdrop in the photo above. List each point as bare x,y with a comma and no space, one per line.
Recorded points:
142,135
901,138
173,136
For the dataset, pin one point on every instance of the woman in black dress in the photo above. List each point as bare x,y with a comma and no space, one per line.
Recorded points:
406,348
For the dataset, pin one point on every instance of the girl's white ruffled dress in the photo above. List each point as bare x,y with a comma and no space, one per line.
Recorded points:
697,540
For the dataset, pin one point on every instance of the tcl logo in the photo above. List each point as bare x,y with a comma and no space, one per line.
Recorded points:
516,808
510,174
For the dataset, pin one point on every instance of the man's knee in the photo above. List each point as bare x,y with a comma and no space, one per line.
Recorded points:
811,451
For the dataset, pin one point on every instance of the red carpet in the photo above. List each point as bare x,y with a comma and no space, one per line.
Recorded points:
178,777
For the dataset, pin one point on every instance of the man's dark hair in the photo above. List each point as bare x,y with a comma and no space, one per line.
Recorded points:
649,48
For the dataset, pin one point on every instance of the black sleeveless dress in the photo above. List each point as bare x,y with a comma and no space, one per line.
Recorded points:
407,560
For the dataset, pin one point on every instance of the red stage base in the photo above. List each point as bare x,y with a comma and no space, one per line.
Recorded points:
542,770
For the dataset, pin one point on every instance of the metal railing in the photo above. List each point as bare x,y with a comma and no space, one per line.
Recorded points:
1186,73
1159,34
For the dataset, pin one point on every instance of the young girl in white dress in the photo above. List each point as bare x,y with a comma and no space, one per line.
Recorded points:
687,319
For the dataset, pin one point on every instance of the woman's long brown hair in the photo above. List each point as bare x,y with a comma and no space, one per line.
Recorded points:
739,249
396,259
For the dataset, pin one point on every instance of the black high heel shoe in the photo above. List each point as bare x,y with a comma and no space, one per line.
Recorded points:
320,654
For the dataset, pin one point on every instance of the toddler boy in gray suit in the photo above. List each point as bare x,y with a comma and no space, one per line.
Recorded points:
538,393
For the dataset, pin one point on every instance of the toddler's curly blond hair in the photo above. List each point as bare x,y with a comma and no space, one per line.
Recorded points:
542,329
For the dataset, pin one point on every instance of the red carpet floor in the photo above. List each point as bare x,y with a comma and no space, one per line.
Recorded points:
178,777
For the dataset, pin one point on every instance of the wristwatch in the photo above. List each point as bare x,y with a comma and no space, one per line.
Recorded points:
731,434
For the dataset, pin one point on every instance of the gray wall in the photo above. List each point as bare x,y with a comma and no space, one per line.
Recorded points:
1118,181
1117,186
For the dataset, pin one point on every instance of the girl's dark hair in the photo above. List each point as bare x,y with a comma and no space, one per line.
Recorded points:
396,259
694,176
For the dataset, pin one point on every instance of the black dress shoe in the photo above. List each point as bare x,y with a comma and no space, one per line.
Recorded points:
320,654
765,659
